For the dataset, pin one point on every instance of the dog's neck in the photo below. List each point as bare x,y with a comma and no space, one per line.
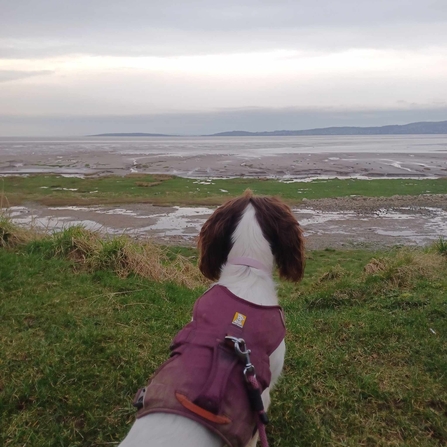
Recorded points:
250,282
249,262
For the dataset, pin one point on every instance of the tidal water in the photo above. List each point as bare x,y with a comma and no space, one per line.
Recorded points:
243,146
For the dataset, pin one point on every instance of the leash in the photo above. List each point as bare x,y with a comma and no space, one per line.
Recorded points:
262,415
253,387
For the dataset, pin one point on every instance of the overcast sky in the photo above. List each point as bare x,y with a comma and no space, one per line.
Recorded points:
192,67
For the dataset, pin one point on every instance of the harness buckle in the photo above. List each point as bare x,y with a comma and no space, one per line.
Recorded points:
138,401
243,353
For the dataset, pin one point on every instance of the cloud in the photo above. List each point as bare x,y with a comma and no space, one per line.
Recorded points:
130,86
14,75
144,58
38,28
50,17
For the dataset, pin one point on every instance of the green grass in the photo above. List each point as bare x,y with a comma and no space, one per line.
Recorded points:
441,246
167,190
366,359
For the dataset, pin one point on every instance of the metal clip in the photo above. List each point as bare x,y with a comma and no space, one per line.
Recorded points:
244,354
138,402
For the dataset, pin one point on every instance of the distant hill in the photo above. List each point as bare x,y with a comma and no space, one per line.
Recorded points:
135,134
421,128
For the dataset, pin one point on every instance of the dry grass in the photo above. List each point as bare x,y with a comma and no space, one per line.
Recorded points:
146,259
405,266
147,184
4,202
92,250
12,235
333,273
125,256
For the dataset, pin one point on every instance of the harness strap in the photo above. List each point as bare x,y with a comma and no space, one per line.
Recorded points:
211,395
208,340
194,336
191,406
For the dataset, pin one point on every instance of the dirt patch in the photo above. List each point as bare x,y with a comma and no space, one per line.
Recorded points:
370,205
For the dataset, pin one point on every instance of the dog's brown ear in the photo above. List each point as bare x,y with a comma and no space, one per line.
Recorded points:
284,234
215,236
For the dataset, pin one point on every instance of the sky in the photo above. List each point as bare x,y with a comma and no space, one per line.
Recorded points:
194,67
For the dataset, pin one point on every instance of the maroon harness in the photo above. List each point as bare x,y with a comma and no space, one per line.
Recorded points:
204,379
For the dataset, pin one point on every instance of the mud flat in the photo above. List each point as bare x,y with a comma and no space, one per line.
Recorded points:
327,223
277,157
283,166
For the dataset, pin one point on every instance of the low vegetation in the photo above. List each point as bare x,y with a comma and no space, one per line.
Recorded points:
90,251
56,190
85,321
441,246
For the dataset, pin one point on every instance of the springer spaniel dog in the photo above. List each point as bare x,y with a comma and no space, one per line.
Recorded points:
233,348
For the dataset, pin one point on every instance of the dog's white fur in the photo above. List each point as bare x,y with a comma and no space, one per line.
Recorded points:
256,286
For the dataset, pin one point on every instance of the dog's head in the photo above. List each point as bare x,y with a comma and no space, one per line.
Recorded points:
279,227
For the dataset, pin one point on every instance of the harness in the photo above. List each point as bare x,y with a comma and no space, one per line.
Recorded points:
209,377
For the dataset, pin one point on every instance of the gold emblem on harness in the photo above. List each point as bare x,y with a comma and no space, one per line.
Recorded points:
239,320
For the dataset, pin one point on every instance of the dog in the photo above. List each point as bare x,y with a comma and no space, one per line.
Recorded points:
239,245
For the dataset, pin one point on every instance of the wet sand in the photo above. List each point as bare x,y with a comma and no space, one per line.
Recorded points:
299,166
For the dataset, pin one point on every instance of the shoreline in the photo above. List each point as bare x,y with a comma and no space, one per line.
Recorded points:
328,223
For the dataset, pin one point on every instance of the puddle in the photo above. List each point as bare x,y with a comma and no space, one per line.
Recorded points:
50,223
388,214
396,164
176,221
321,217
60,189
183,222
325,178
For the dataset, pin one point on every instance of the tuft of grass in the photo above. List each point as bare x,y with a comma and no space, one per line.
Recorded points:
441,246
92,251
335,272
125,257
12,235
404,267
147,184
75,243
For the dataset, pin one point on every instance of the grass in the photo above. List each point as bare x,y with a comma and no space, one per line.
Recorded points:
90,251
441,246
366,359
12,235
55,190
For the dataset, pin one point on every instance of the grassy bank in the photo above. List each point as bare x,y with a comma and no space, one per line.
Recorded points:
82,328
56,190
